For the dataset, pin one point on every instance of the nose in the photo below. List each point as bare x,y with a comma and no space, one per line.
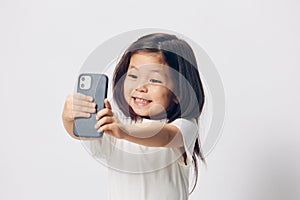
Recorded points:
142,87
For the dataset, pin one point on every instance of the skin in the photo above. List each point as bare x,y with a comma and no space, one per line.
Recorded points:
147,84
153,89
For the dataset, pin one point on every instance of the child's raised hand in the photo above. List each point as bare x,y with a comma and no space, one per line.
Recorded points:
109,123
78,105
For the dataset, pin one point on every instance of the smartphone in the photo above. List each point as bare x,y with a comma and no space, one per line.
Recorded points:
94,85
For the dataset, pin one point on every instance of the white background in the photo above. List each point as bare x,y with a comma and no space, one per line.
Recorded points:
254,44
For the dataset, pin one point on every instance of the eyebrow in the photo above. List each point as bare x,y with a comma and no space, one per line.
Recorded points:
133,67
152,70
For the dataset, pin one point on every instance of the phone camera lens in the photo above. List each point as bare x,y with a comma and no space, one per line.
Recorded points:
82,85
83,79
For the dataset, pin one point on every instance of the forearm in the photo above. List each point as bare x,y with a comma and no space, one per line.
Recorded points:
69,127
154,134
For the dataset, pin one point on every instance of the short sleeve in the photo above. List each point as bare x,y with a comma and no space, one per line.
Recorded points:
189,131
100,149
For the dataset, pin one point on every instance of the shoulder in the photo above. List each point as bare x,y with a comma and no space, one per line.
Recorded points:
186,124
188,129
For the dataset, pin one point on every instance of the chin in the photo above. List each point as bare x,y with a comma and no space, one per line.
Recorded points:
141,114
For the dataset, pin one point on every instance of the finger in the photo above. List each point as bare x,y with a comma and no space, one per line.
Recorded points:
83,97
77,114
104,112
84,103
106,132
73,115
107,104
84,109
105,128
109,129
104,121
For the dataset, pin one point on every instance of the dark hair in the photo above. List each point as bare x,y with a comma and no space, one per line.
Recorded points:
179,56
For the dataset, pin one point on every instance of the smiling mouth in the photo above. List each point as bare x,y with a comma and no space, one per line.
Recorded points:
141,101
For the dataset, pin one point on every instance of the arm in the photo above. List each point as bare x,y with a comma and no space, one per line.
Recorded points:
152,134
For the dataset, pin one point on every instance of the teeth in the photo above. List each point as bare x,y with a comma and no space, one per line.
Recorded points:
141,100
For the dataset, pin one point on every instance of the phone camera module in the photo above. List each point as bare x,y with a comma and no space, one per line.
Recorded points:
85,82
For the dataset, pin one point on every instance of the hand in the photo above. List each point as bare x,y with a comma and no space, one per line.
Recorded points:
109,123
78,105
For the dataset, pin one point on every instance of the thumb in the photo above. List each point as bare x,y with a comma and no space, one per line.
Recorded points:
107,104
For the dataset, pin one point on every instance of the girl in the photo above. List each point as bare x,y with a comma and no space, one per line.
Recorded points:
156,84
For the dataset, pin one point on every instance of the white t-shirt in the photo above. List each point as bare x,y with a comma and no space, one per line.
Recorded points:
138,172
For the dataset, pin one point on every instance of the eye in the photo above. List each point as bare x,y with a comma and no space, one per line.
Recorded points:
155,81
132,76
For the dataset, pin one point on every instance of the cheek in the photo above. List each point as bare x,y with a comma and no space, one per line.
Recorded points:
127,90
165,96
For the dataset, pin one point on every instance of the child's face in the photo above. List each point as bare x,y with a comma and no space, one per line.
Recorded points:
148,84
